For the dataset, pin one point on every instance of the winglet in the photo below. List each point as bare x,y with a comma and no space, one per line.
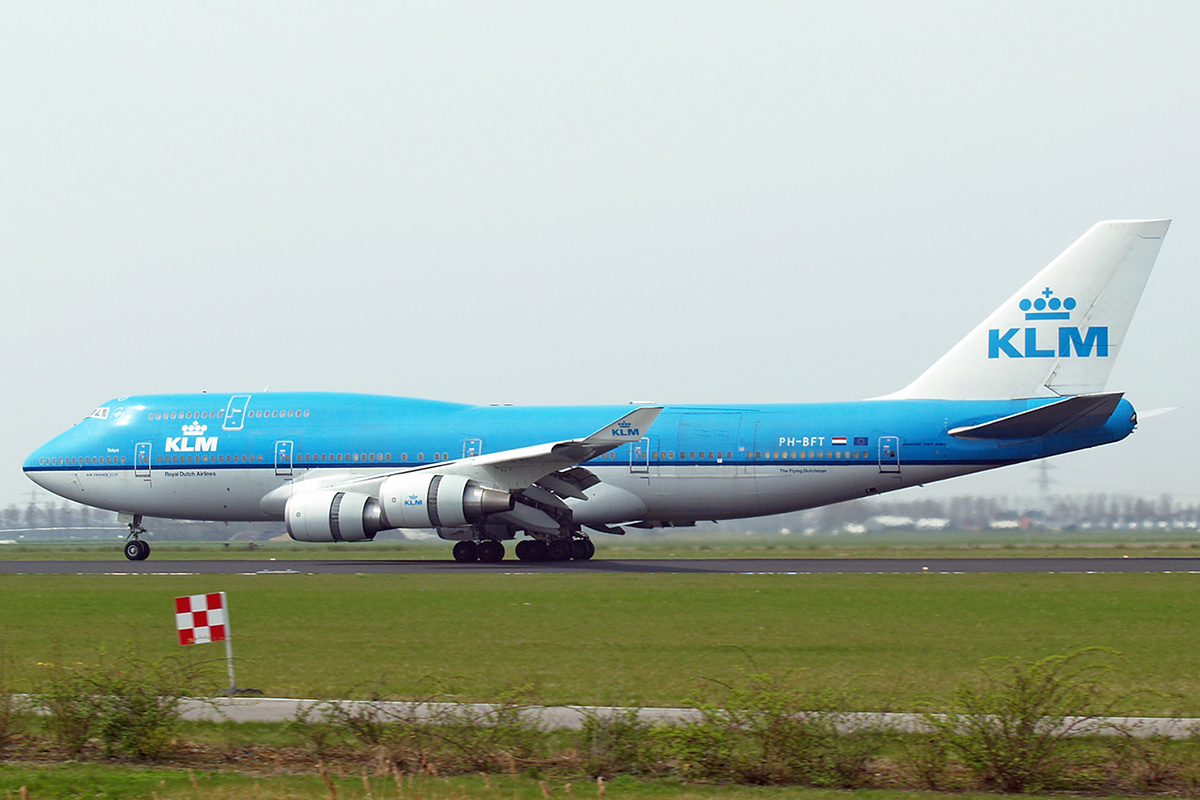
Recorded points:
631,426
628,428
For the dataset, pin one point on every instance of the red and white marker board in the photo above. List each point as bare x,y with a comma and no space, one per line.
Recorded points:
200,618
203,618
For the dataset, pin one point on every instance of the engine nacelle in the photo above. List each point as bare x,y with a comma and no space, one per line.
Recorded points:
425,500
328,516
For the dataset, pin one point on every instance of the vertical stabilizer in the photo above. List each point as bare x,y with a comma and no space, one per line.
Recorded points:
1061,333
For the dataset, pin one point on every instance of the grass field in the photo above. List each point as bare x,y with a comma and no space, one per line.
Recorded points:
901,641
117,782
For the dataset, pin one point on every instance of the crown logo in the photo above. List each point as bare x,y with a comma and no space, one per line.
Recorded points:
1048,306
195,429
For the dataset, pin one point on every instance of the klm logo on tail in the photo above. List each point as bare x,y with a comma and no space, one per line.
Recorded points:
1026,342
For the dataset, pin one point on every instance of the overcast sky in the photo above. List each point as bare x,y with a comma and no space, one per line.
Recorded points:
579,203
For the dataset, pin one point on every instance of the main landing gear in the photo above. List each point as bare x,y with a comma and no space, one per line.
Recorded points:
135,548
491,551
488,550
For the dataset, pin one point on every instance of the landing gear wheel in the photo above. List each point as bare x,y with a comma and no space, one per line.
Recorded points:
491,551
465,552
531,550
559,549
136,550
524,550
582,549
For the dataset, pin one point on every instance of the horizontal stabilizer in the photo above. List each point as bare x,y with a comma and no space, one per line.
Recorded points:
1072,414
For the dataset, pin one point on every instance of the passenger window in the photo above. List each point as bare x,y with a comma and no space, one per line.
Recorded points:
420,456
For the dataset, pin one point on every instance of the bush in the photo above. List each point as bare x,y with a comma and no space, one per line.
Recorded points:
428,736
768,733
132,708
613,742
1011,727
14,711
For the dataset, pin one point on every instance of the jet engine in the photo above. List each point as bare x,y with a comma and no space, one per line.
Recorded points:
329,516
425,500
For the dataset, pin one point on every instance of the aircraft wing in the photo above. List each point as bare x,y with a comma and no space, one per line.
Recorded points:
553,464
517,469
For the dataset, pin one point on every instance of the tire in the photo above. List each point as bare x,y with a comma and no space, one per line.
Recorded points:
491,551
136,550
582,549
525,550
559,549
465,552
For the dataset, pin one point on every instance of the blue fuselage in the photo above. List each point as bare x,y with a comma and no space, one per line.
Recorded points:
217,456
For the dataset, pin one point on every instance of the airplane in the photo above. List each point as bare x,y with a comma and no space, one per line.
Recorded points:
1028,382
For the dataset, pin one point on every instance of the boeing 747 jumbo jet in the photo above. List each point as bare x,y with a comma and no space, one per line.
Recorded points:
1026,384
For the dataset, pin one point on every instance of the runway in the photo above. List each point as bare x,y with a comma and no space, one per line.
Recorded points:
747,566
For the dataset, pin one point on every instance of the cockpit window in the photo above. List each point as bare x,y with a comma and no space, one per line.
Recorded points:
99,413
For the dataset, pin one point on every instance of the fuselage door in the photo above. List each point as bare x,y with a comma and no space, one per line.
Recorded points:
889,454
639,456
141,460
283,459
472,448
235,412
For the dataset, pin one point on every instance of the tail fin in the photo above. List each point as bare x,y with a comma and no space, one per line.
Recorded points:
1060,335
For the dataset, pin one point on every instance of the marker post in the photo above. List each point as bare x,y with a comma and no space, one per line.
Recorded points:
203,618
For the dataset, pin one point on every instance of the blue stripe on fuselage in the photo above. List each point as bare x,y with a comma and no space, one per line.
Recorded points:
348,424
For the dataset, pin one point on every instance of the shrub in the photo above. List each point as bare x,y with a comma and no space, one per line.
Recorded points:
501,737
429,736
132,708
613,742
764,732
1010,727
14,711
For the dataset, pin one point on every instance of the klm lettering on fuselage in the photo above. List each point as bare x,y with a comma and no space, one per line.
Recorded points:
202,444
193,442
1041,343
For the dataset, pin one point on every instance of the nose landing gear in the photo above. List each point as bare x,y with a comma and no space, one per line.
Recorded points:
135,548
